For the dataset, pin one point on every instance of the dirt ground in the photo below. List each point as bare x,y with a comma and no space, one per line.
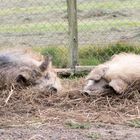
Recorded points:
69,115
59,132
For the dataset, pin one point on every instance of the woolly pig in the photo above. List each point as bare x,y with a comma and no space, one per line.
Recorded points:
23,68
117,74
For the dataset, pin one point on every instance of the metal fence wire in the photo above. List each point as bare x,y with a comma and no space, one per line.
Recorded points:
105,27
108,21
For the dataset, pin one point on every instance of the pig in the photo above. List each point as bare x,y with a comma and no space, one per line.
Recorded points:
20,68
116,75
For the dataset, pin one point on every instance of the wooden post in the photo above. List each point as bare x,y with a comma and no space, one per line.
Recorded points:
73,33
78,70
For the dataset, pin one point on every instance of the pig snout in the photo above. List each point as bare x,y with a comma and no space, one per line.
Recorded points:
53,90
95,87
51,86
49,89
87,88
55,87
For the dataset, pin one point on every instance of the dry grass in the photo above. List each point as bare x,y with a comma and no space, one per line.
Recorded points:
28,105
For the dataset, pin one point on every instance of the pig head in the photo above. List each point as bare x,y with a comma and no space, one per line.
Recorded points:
38,74
96,82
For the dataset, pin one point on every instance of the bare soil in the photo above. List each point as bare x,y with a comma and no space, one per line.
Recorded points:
59,132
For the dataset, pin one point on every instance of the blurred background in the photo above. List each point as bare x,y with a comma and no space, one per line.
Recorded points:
105,27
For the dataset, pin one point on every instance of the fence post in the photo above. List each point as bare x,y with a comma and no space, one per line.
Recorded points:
73,33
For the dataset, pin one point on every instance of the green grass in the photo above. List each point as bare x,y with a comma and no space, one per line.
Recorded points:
32,10
60,54
59,7
94,136
88,55
33,27
76,125
100,25
134,123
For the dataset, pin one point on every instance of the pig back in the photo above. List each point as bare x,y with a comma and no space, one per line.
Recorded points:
11,65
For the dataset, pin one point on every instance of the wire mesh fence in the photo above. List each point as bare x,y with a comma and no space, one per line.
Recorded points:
108,21
33,23
105,27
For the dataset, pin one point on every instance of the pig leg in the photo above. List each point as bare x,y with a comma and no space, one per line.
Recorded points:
118,85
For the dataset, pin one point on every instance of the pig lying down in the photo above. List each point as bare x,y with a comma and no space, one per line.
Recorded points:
118,74
21,68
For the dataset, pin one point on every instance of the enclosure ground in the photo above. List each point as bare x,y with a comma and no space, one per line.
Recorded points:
69,115
98,131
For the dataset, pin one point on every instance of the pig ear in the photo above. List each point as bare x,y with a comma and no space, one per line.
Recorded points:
22,78
46,64
97,75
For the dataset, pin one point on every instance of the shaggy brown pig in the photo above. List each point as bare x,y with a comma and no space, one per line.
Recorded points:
21,68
